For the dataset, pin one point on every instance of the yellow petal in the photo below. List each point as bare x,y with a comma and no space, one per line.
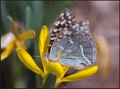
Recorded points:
81,74
43,41
55,68
28,61
28,34
17,43
20,43
7,51
6,39
103,57
65,69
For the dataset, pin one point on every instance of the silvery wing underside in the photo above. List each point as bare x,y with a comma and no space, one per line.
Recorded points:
76,49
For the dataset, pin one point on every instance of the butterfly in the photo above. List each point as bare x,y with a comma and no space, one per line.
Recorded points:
72,43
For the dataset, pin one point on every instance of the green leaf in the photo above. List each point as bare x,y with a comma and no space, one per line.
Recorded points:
31,79
37,7
50,81
28,23
39,81
4,19
28,17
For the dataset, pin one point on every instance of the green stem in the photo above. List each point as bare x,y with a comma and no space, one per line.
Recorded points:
50,81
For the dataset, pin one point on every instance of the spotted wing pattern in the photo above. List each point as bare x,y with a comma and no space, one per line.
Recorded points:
64,21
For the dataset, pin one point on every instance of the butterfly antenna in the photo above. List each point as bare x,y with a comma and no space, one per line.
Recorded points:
58,56
37,56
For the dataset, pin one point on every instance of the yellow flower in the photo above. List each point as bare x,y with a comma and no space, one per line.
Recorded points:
52,67
14,39
104,57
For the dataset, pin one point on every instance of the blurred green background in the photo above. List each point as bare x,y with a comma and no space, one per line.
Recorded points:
33,15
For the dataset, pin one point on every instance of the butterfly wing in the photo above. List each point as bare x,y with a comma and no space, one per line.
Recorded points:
64,21
77,51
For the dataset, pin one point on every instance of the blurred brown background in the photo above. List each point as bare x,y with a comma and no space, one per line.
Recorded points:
107,25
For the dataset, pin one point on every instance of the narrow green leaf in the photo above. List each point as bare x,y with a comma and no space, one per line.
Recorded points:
31,79
35,52
28,17
37,14
4,19
28,23
50,81
39,81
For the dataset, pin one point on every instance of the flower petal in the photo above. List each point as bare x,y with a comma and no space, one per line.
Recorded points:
28,61
55,68
28,34
43,41
14,26
103,57
7,51
65,69
6,39
81,74
20,43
